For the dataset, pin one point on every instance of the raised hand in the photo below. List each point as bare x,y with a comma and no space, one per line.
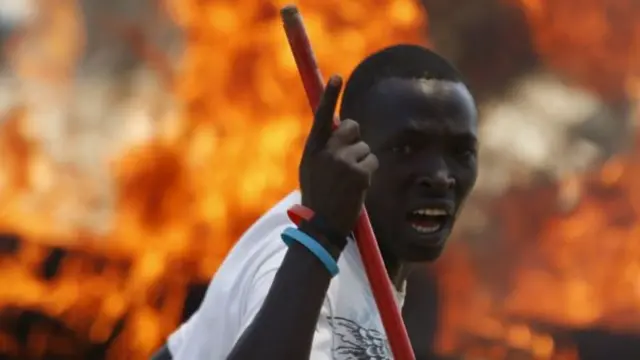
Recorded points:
336,166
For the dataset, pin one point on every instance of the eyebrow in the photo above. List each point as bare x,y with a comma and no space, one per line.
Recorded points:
440,106
413,130
465,136
420,127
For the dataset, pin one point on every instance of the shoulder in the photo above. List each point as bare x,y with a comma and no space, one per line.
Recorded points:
259,251
262,240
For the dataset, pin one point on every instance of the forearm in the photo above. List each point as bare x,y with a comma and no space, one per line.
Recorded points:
285,325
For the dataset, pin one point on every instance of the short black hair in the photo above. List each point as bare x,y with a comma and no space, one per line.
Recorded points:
403,61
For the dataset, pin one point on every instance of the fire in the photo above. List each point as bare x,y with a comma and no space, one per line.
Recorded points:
182,197
572,260
556,268
228,146
596,44
28,184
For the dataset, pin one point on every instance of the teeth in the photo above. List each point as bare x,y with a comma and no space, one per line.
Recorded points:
426,229
430,212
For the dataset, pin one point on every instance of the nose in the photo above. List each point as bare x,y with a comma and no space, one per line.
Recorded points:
440,180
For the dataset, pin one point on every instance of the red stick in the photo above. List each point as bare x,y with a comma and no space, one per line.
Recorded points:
366,240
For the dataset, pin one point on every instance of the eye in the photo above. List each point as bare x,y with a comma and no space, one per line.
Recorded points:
403,149
465,153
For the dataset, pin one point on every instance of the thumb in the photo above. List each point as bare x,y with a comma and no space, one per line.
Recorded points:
323,120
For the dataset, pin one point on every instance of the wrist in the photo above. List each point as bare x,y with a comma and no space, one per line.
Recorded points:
319,248
333,246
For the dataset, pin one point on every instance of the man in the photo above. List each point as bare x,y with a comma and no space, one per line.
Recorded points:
406,147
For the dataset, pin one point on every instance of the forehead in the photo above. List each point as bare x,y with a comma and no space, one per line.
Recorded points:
435,106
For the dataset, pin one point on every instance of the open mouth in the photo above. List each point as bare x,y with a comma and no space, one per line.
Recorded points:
428,221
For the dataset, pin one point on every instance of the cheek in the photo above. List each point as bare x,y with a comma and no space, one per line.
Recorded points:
389,175
465,181
385,186
379,183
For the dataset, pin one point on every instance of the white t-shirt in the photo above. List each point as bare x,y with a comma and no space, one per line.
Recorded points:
349,326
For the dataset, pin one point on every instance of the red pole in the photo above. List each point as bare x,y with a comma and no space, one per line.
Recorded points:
374,266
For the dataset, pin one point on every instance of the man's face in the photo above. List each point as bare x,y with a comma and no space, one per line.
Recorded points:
424,133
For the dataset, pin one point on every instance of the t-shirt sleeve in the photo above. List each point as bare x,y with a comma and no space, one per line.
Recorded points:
177,339
322,342
187,344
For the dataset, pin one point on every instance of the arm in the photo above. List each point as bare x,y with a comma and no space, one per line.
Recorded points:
335,172
284,326
188,343
420,322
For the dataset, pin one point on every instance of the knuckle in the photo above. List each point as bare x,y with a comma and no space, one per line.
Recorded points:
341,155
365,147
350,126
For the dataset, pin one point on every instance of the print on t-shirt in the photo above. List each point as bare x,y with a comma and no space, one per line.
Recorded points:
355,342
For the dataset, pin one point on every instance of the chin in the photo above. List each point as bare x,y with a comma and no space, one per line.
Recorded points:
420,248
404,243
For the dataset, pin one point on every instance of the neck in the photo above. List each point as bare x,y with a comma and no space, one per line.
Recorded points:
398,270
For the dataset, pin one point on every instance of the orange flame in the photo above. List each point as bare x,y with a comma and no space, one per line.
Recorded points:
225,153
596,44
229,151
572,268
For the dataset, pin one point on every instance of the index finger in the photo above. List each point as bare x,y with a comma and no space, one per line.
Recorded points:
323,118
